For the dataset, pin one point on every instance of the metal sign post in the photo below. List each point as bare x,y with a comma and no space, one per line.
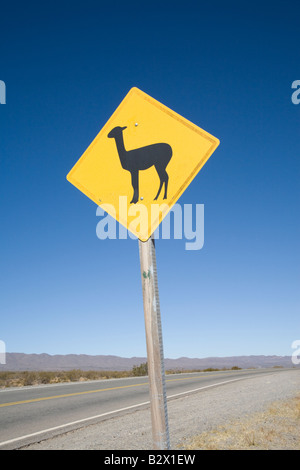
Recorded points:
155,355
163,152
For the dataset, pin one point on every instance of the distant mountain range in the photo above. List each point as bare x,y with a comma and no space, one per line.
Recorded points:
20,361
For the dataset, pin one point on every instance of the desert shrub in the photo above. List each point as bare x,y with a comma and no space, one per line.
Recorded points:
142,369
29,377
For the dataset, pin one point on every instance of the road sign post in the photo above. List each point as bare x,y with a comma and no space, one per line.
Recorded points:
155,354
145,152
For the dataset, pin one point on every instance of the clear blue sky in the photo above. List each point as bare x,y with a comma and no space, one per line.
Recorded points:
226,66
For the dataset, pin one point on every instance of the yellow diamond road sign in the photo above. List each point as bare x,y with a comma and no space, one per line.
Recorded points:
141,162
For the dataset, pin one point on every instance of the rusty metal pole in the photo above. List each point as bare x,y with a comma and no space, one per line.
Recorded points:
155,355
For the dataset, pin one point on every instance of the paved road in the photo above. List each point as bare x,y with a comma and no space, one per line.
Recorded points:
30,413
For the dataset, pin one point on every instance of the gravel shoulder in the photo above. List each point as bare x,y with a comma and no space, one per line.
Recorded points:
205,413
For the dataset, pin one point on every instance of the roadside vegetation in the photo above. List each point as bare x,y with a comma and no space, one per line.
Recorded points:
276,428
25,378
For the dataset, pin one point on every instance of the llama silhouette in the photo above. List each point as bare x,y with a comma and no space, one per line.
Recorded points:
143,158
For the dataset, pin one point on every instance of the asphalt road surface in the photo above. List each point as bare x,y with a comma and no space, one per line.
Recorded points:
30,413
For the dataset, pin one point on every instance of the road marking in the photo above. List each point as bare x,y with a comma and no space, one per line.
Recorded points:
56,428
207,386
68,395
34,400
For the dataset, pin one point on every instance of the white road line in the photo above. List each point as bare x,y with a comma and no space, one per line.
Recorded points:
79,421
56,428
207,386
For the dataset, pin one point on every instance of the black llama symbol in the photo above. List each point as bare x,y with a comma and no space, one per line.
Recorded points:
143,158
